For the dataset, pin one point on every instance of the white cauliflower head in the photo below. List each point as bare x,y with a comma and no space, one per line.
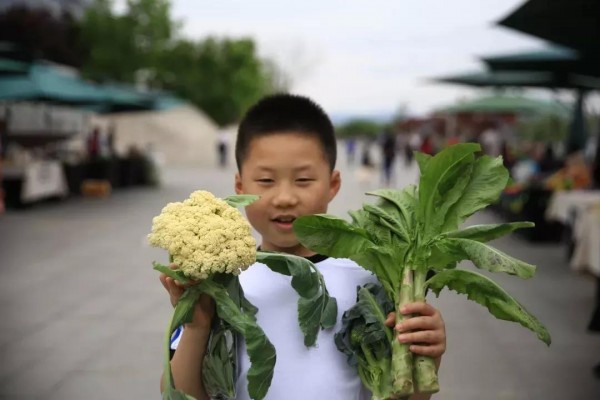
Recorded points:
204,235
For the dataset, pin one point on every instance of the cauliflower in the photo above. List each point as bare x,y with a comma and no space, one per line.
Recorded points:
204,235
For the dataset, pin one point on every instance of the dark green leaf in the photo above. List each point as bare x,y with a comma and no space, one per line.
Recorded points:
171,273
366,340
241,200
485,233
184,310
260,350
330,236
329,317
486,257
488,178
219,364
305,277
316,308
487,293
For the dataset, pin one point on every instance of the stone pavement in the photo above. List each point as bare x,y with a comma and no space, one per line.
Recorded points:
83,313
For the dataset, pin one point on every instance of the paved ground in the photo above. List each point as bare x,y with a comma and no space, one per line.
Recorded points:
83,313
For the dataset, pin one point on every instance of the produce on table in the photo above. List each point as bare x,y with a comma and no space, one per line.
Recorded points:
403,237
211,243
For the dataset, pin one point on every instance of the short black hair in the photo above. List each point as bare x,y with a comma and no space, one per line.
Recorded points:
286,113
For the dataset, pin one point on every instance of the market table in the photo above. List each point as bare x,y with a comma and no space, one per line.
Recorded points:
566,205
36,181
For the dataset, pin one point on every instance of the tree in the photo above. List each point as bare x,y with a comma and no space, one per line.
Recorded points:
359,127
221,76
38,33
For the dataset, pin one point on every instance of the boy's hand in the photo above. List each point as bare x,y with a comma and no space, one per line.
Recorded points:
426,331
205,306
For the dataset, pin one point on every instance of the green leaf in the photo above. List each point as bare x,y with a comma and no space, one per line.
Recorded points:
241,200
488,178
220,362
441,185
485,233
316,308
305,277
366,341
406,203
486,257
486,292
184,310
329,317
330,236
175,274
260,350
393,224
386,264
174,394
422,160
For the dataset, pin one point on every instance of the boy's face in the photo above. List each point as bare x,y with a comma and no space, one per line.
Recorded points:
291,175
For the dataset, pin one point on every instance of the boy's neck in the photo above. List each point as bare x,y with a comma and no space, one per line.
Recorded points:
297,250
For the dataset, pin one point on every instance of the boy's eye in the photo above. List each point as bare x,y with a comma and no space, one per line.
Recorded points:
304,180
265,180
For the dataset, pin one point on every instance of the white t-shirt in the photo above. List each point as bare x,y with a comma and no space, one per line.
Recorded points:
302,373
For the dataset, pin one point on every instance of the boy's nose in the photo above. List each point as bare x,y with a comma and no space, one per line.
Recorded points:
285,198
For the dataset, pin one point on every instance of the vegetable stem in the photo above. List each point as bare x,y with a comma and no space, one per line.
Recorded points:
402,359
167,375
425,374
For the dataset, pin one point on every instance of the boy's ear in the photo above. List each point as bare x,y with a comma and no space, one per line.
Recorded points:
238,184
334,184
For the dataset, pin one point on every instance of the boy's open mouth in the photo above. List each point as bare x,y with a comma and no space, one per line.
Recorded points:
284,221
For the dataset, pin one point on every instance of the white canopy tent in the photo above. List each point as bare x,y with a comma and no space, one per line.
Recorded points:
182,135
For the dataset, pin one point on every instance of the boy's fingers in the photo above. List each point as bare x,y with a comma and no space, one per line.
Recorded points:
418,308
430,351
416,323
420,337
391,319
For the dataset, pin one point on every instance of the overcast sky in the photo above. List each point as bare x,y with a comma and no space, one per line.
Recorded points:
365,57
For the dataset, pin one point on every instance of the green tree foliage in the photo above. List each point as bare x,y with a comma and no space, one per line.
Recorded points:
359,128
545,128
222,76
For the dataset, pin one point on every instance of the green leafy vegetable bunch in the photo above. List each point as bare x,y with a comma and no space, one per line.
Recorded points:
211,243
409,234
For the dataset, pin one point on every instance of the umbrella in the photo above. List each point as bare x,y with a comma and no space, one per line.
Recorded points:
572,23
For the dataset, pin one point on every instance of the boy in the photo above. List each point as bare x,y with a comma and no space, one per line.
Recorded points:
286,153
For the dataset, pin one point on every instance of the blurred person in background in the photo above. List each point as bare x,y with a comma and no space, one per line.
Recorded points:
93,144
222,147
2,147
350,150
388,152
491,141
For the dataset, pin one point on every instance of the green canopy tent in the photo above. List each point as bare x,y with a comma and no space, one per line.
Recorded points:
52,84
508,104
534,79
13,67
571,23
556,59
